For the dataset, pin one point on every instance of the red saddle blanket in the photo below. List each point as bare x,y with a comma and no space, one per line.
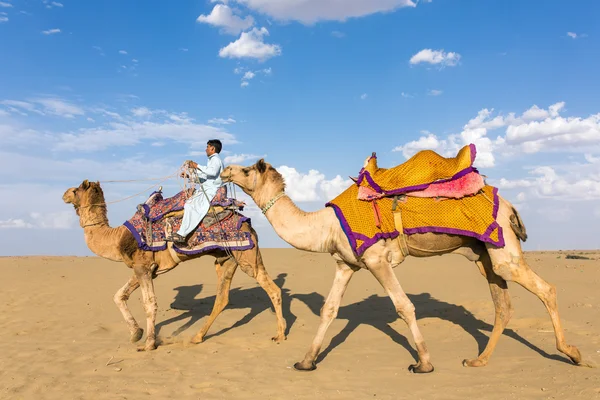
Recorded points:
150,227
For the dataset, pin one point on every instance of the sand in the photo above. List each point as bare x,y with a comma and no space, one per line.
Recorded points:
59,329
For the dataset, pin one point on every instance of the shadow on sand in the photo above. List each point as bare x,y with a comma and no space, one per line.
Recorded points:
375,311
379,312
256,299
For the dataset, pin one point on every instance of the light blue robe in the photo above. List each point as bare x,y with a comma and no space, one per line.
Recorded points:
196,207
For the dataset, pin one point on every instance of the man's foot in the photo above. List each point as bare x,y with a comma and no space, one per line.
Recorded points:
176,238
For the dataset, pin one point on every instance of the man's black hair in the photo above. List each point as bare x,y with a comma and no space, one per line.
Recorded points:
216,143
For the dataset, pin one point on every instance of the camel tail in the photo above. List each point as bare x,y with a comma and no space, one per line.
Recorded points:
517,225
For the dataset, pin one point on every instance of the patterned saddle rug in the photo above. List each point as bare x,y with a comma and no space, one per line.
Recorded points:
447,196
221,228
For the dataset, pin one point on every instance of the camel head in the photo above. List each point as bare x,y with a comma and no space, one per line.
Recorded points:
260,178
85,195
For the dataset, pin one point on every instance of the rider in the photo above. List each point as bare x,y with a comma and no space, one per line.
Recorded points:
196,207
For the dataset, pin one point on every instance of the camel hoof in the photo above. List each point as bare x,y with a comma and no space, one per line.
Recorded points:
301,367
474,363
574,354
279,338
197,339
148,347
137,335
421,369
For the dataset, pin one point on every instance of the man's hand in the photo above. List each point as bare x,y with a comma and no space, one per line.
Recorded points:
192,164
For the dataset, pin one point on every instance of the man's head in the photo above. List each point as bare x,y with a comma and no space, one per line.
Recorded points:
213,146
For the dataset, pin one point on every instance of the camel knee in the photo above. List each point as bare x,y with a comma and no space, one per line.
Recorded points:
328,313
406,311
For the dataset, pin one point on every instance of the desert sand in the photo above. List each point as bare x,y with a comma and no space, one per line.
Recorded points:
64,338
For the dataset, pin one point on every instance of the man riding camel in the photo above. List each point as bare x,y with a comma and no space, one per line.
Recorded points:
209,178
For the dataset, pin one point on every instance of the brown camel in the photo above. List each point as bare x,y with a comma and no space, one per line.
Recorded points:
321,231
118,244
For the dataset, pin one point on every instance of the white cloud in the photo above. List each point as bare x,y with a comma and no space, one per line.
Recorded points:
244,83
59,107
364,96
312,186
251,45
338,34
141,112
221,121
173,127
3,17
436,57
183,49
15,223
5,5
57,220
267,71
49,106
311,11
406,95
4,113
51,31
240,158
57,4
435,92
122,52
223,17
574,35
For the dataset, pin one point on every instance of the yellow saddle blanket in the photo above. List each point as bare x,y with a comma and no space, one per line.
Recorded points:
473,216
418,172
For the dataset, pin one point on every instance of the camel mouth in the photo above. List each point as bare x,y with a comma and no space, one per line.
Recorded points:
69,196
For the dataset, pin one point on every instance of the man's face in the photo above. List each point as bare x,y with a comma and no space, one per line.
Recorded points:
210,150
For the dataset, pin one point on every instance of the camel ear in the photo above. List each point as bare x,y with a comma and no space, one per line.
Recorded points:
85,185
261,166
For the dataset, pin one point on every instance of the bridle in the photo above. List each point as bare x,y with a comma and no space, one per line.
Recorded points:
270,203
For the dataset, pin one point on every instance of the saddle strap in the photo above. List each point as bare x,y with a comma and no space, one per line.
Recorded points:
376,213
397,212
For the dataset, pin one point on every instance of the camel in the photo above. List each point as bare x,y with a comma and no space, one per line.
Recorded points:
320,231
118,244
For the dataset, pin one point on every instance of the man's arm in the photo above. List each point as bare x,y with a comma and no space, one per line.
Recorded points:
211,171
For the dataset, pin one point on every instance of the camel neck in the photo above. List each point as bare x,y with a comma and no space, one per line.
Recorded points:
309,231
104,241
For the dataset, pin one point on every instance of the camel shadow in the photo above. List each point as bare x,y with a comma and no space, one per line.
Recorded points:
256,299
379,312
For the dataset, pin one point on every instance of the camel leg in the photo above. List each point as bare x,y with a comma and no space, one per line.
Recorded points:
509,263
225,271
328,313
144,277
120,300
503,310
258,271
406,310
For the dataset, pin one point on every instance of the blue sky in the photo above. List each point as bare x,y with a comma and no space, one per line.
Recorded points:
129,90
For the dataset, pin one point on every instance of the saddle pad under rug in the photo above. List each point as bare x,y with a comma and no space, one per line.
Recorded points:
222,235
418,172
473,216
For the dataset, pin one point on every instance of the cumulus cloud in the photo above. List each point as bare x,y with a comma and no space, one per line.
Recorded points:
436,57
311,11
251,45
574,35
36,220
312,186
222,16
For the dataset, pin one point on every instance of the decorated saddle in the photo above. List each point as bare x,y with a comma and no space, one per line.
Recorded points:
427,193
221,228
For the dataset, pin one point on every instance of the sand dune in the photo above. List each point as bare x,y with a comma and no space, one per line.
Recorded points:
60,328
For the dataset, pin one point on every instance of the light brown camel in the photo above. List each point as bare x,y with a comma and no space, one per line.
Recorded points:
118,244
321,231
